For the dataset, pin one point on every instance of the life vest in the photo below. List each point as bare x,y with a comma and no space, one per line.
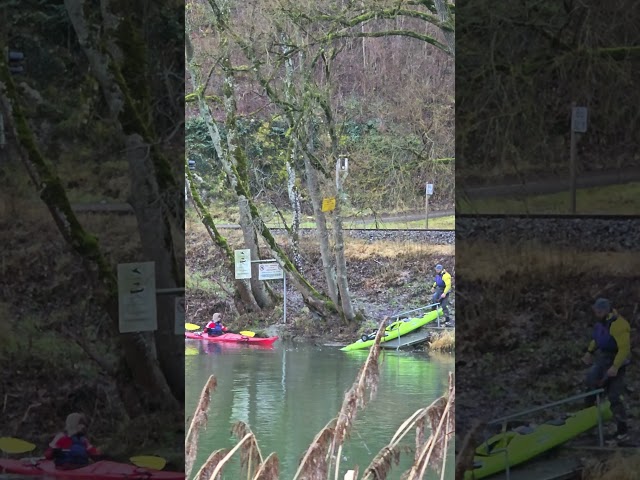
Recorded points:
72,451
439,281
603,338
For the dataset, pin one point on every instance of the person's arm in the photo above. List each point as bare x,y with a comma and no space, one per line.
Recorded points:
49,453
447,283
621,332
592,346
59,442
92,451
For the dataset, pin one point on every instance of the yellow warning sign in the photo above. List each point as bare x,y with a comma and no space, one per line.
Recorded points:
328,204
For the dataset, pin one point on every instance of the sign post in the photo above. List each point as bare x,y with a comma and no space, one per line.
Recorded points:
179,315
137,309
243,264
428,192
270,270
578,125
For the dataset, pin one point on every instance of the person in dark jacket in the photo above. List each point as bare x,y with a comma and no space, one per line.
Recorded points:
611,344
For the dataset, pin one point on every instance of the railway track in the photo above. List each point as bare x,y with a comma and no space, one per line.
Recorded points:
312,229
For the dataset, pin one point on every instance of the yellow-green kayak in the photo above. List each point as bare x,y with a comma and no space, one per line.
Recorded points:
398,329
526,444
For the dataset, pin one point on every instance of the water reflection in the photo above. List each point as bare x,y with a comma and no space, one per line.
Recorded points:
287,394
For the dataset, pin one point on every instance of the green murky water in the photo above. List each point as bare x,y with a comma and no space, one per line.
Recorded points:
287,394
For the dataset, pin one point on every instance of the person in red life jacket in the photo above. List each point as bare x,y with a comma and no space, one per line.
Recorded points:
441,288
611,342
215,326
71,448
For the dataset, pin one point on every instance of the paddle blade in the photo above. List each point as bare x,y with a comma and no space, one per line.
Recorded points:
248,333
191,326
149,461
15,445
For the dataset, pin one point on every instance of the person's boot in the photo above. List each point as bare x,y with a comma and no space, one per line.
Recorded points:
622,434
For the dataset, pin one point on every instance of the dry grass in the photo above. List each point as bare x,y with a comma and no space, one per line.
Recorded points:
482,261
198,423
317,462
618,467
210,465
357,249
432,453
464,459
444,342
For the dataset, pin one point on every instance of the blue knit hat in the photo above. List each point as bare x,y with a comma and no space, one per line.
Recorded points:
439,268
602,305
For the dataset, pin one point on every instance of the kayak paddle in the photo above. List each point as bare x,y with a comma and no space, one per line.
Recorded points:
192,327
15,445
148,461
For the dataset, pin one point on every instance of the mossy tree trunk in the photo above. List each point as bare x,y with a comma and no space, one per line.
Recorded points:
139,378
342,280
238,159
299,116
244,299
244,288
156,194
292,187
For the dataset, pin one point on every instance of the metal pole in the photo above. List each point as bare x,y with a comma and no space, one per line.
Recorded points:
168,291
2,137
426,206
572,165
284,286
600,432
548,405
506,458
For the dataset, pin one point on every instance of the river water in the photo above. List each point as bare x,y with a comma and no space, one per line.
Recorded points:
288,393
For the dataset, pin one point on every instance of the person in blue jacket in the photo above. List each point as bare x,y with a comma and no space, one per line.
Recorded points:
441,288
611,344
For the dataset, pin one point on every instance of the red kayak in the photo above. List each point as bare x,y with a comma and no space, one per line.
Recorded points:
231,337
103,470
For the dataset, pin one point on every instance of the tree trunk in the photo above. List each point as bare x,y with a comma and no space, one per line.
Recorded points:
292,188
244,300
444,14
139,350
328,261
338,235
156,236
294,199
239,161
244,288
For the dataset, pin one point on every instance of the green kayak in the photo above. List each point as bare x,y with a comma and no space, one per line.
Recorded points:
528,442
398,329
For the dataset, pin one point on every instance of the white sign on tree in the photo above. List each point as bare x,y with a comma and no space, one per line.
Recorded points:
243,264
270,271
137,297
